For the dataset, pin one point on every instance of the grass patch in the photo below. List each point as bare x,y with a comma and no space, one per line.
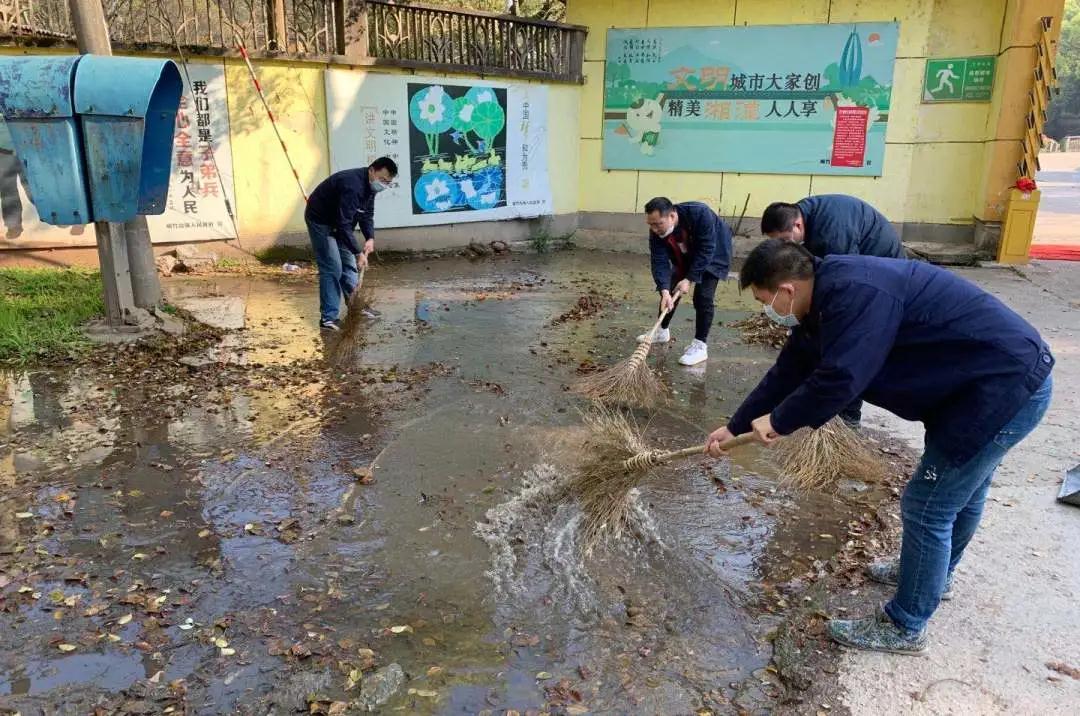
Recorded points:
283,254
42,312
541,242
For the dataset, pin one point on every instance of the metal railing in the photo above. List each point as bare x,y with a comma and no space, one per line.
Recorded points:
371,32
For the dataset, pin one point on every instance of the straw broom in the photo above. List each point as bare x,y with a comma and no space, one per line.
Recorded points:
815,459
347,348
629,381
620,460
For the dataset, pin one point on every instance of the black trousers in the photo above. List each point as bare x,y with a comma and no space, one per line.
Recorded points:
852,414
704,306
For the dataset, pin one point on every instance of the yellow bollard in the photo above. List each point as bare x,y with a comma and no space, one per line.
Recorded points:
1019,227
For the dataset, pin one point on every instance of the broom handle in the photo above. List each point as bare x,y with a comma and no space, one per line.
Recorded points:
699,449
354,296
656,326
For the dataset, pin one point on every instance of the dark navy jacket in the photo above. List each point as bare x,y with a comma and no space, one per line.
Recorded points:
342,201
912,338
842,224
709,247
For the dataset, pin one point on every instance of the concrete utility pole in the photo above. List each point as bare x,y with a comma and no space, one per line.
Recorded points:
124,251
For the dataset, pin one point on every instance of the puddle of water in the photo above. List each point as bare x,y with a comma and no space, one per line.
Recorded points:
243,505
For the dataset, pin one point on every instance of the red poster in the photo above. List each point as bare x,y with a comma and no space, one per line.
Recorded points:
849,136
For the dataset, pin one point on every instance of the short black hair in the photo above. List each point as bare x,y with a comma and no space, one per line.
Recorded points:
661,204
385,163
774,261
779,216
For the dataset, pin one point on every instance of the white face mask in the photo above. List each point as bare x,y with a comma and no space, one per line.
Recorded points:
788,321
377,186
667,233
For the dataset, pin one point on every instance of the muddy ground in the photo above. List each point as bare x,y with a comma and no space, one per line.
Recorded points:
224,522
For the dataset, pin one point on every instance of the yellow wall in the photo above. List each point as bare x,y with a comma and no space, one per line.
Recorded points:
944,164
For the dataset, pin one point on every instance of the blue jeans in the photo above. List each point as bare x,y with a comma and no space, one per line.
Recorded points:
941,508
337,270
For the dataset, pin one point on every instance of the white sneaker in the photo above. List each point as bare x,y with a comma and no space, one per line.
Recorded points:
663,335
696,352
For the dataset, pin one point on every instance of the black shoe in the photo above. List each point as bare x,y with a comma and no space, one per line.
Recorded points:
329,325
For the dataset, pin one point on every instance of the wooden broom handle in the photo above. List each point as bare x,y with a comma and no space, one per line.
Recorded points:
700,449
656,326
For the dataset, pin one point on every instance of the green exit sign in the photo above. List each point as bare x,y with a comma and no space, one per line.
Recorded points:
959,79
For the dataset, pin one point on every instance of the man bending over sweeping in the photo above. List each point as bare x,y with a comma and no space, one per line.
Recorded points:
690,246
834,224
927,345
338,204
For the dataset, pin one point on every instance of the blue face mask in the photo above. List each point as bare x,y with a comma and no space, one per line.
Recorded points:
377,186
788,321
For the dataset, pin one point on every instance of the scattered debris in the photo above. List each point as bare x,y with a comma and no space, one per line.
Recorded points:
587,306
759,330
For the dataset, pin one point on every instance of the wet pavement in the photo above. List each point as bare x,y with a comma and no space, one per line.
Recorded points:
205,546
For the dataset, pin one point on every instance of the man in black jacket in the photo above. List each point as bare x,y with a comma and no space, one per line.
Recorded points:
334,209
689,246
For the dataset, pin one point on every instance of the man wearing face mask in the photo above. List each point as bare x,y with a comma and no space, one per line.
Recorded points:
927,345
340,203
689,247
830,224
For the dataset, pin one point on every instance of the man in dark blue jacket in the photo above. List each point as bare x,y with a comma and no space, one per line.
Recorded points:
341,202
831,224
689,246
927,345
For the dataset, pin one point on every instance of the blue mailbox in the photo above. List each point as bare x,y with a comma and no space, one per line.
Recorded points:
36,101
128,109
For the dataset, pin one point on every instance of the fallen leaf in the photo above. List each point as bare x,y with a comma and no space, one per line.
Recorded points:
23,515
56,596
1063,668
139,556
124,619
543,676
522,639
66,647
401,629
228,652
203,534
221,643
